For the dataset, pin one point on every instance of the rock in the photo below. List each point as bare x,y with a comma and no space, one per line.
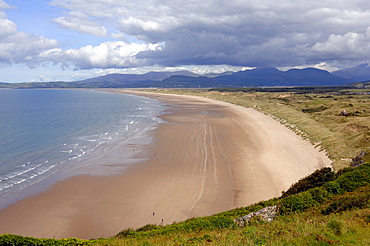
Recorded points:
358,160
266,214
343,113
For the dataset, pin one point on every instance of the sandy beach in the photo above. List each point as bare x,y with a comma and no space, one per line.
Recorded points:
208,157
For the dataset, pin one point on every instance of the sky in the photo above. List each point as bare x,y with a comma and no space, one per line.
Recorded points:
66,40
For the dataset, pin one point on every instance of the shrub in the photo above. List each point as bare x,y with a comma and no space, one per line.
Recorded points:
358,199
126,232
15,240
333,188
208,223
148,227
316,179
319,194
358,177
296,203
343,171
349,180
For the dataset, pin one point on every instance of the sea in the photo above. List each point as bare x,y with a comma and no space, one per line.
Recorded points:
48,135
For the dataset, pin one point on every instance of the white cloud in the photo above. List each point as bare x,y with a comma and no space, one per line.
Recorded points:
351,45
4,5
79,22
106,55
19,47
7,28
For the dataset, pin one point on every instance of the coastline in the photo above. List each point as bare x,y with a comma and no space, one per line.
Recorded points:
208,157
72,132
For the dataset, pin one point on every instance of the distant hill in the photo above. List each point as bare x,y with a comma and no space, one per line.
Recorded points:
130,80
6,85
356,74
258,77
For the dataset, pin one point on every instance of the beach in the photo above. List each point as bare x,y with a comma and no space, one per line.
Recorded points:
207,157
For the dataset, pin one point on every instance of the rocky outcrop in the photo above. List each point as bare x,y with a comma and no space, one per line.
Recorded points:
266,214
358,160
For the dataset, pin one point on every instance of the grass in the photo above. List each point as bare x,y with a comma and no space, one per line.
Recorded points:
325,208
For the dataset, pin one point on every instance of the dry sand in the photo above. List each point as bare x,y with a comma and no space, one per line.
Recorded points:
209,157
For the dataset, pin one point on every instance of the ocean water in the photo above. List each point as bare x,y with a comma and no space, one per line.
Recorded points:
50,135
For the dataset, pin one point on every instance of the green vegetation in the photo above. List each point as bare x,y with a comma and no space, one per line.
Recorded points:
13,240
316,179
325,208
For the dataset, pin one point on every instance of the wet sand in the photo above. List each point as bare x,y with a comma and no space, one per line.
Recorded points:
208,157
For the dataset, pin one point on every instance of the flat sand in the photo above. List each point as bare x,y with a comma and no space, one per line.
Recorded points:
208,157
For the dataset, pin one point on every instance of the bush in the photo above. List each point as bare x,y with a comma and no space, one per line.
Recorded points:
358,199
15,240
148,227
208,223
349,180
333,188
358,177
126,232
320,195
297,203
316,179
343,171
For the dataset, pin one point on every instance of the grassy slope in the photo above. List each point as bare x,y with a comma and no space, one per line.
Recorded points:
312,217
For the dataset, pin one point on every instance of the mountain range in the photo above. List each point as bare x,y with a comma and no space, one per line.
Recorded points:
357,74
268,76
258,77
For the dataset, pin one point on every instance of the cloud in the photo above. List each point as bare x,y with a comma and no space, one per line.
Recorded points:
352,45
4,5
79,22
19,47
252,33
106,55
239,33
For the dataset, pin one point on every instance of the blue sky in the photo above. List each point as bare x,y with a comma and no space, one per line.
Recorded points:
52,40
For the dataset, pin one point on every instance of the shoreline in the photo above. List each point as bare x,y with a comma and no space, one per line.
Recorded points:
70,153
208,157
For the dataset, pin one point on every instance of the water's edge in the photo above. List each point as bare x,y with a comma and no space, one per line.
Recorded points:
105,153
